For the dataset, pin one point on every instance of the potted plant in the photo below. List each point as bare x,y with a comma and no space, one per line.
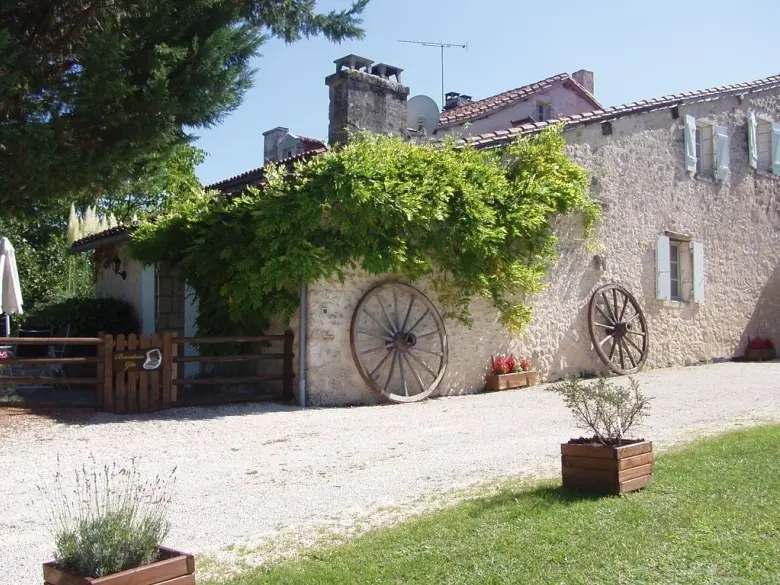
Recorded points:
504,373
608,461
108,530
760,349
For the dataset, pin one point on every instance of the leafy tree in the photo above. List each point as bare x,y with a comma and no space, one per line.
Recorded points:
478,223
92,92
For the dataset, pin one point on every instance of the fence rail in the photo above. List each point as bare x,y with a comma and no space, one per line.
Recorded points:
123,389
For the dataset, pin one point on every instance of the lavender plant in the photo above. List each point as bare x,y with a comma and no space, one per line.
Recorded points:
609,410
109,519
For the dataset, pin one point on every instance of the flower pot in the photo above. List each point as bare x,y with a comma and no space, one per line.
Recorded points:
760,355
172,568
605,469
514,380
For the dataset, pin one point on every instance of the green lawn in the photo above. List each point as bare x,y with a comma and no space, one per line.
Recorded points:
712,516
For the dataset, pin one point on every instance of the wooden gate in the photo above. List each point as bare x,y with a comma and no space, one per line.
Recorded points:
131,377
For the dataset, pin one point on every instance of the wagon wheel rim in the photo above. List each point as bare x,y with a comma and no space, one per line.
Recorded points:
398,342
618,329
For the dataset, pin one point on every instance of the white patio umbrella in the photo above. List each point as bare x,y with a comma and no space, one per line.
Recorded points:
10,292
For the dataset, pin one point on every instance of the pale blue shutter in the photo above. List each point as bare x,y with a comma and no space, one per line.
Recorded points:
721,153
775,148
690,144
663,270
752,141
697,249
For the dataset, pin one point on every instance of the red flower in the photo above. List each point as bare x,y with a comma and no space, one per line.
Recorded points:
3,355
761,343
504,365
525,365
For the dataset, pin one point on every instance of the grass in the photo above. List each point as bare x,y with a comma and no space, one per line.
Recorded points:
712,516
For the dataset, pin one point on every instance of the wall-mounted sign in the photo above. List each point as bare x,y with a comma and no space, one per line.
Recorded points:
136,360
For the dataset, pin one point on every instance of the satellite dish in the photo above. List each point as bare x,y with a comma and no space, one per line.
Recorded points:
422,114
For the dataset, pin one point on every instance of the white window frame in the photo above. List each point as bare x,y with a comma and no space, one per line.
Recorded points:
704,127
675,276
543,111
763,147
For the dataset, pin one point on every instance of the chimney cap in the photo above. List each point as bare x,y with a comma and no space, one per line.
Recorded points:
352,61
277,129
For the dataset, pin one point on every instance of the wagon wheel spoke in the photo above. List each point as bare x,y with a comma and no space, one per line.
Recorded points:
607,338
424,315
380,364
620,352
414,373
387,316
382,337
628,352
639,333
634,345
373,349
375,320
401,361
401,311
614,299
436,353
607,317
604,325
623,310
392,369
612,316
612,351
422,363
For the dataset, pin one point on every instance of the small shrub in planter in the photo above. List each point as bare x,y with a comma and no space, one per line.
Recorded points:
506,372
109,527
760,349
608,461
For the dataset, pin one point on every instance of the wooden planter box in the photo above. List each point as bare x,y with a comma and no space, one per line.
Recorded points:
608,470
172,568
760,355
516,380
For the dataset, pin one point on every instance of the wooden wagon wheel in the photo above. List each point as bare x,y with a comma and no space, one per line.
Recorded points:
398,342
618,329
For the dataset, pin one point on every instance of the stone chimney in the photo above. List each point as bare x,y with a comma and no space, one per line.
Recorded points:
271,140
454,100
365,96
585,79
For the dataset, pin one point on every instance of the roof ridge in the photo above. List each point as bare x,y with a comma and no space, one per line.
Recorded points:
257,173
505,98
604,114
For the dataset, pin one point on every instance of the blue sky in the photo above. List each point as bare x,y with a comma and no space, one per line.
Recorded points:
637,50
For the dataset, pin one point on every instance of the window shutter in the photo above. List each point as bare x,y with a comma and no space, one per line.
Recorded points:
752,141
775,148
722,153
690,144
663,270
697,250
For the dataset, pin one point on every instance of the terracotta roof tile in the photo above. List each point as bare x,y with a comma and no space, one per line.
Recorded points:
111,232
485,106
255,176
602,115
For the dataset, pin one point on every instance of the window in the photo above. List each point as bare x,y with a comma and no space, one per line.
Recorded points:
764,145
705,151
542,111
679,269
287,153
674,269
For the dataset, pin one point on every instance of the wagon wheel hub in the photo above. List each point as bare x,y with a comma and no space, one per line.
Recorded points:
405,341
398,342
618,329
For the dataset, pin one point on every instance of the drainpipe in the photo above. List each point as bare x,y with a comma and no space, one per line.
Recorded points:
303,324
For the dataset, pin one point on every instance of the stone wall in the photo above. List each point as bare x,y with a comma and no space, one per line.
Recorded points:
639,175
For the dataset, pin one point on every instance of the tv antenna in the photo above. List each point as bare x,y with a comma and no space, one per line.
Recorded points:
441,46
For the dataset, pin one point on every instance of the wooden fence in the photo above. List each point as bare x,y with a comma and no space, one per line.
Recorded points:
122,389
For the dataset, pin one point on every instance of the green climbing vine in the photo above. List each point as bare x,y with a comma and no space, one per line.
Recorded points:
477,223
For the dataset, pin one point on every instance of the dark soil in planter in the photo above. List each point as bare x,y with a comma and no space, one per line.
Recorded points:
596,442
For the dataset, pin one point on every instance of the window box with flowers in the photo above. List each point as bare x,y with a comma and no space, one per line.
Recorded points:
507,372
760,349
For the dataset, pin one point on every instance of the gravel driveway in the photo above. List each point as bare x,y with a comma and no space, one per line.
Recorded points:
251,475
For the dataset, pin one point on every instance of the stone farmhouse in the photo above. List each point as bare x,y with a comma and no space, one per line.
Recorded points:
689,185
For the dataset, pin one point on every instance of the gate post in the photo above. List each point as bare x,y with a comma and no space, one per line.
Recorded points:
287,371
108,374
